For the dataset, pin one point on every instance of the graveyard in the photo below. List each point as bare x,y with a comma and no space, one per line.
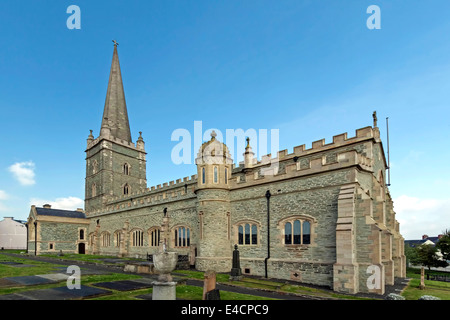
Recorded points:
24,277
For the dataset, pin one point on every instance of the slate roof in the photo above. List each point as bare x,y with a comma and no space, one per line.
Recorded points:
60,213
413,243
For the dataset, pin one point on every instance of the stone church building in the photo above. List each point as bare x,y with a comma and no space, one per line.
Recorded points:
322,215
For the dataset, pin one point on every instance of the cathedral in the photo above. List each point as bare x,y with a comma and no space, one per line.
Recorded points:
322,215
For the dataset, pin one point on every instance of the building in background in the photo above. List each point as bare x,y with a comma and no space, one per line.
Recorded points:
13,234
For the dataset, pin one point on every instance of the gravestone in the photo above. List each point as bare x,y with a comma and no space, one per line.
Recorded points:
236,272
209,283
422,279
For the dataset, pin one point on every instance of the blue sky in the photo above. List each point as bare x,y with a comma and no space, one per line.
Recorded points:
311,69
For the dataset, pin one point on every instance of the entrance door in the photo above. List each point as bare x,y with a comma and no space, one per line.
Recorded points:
81,248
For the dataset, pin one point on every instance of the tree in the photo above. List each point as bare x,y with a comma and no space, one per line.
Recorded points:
426,256
443,245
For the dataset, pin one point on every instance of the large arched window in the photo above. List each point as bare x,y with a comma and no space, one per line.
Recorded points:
182,236
247,233
297,231
105,239
154,236
137,238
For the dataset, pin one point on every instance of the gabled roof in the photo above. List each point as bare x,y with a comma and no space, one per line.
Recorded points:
60,213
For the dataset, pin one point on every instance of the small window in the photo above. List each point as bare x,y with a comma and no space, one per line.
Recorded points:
126,169
226,175
51,246
81,234
216,178
203,176
94,190
126,189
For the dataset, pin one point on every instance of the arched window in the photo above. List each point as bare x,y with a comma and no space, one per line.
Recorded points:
306,232
94,167
117,238
94,190
297,231
81,234
126,169
247,233
126,189
105,239
216,178
137,238
182,237
154,234
203,176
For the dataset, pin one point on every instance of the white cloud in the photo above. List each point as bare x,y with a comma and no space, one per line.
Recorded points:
69,203
24,172
3,195
419,216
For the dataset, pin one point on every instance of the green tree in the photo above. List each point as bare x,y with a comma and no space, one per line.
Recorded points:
426,256
443,245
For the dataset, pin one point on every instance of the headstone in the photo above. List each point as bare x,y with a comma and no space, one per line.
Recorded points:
422,279
236,272
209,282
213,295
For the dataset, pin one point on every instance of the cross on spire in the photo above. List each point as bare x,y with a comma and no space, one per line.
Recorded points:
115,43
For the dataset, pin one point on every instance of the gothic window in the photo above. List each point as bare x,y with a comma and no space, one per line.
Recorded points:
203,176
247,233
137,238
117,237
182,237
105,239
81,234
297,231
126,189
154,234
216,178
94,167
126,169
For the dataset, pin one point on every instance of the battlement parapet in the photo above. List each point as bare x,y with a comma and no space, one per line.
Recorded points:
297,168
339,140
167,192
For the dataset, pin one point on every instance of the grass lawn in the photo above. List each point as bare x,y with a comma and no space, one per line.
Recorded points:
438,289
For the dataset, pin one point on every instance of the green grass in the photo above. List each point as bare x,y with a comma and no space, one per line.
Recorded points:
438,289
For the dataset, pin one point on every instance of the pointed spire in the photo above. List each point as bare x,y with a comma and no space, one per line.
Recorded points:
115,116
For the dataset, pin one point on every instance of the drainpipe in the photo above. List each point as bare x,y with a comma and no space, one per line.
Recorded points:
35,238
268,195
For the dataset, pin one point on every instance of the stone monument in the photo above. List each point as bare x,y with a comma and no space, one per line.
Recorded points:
236,272
165,262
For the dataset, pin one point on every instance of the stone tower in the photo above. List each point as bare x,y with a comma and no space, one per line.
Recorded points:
214,166
115,166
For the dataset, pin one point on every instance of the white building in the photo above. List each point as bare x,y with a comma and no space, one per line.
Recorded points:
13,234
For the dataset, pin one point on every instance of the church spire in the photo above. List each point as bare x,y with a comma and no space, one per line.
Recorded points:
115,116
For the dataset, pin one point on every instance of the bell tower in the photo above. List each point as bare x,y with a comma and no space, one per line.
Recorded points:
115,166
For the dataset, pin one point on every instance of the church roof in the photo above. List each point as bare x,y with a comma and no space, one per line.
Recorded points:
60,213
115,115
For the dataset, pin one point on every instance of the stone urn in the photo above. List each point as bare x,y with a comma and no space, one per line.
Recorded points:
165,262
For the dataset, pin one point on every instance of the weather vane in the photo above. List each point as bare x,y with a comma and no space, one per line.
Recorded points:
115,43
